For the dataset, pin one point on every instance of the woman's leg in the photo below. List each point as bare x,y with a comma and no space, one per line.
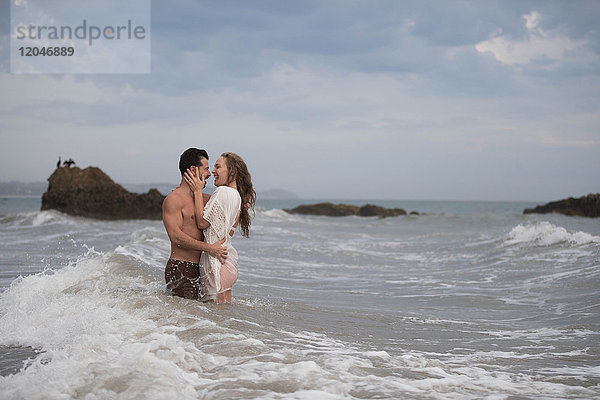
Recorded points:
229,274
224,297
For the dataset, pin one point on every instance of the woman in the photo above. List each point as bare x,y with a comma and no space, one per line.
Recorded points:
222,213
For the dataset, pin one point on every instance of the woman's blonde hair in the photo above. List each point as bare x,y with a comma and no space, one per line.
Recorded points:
239,171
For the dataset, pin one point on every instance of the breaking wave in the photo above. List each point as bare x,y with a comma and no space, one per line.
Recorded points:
547,234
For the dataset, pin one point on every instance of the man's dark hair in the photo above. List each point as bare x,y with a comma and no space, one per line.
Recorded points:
191,157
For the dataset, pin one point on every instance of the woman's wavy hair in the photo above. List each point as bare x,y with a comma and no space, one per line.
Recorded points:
239,171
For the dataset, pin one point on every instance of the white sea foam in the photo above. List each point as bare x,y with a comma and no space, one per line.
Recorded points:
545,334
91,320
274,213
148,245
547,234
43,217
35,218
148,234
108,328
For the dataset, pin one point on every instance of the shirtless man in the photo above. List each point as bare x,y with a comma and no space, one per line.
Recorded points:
182,273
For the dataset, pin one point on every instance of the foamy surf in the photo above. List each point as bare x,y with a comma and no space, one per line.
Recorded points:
107,329
546,234
324,308
35,218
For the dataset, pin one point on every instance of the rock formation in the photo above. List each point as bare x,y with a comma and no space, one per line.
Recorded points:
343,210
370,210
328,209
91,193
586,206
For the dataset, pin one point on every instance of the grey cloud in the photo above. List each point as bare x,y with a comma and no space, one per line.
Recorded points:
578,20
216,45
394,81
459,23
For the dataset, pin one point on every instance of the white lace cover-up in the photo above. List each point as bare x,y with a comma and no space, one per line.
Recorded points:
221,211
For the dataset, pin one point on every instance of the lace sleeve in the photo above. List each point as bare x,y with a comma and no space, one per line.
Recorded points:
215,214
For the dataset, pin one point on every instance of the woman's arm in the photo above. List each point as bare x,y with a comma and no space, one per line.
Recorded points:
172,220
196,183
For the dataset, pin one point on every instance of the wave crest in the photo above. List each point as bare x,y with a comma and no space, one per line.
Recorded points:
547,234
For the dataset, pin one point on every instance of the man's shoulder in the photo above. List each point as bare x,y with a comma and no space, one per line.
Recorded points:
173,199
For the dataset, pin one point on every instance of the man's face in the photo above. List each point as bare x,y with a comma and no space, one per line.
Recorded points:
203,169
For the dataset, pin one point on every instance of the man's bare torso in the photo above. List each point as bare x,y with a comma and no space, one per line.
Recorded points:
186,202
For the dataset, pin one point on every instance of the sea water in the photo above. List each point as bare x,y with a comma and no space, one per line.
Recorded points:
468,300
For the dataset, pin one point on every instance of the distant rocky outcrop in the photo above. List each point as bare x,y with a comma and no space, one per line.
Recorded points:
328,209
343,210
370,210
586,206
91,193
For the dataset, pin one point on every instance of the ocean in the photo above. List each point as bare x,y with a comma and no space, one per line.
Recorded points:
468,300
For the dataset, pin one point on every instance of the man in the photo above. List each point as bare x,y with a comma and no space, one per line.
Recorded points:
182,273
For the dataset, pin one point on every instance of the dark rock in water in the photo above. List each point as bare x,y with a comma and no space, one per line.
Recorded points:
343,210
586,206
370,210
414,213
328,209
91,193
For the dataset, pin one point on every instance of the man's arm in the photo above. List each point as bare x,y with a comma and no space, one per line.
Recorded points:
173,220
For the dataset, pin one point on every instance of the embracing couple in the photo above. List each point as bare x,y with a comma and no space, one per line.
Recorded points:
203,264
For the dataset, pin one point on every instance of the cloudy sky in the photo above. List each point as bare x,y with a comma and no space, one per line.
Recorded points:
380,99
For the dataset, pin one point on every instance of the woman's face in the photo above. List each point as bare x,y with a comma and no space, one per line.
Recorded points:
220,172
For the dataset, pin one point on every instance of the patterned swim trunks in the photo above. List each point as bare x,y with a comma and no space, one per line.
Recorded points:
183,278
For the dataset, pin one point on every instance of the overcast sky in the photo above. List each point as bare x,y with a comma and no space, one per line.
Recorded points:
471,100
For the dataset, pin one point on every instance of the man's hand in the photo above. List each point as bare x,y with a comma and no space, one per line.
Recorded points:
218,251
195,180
